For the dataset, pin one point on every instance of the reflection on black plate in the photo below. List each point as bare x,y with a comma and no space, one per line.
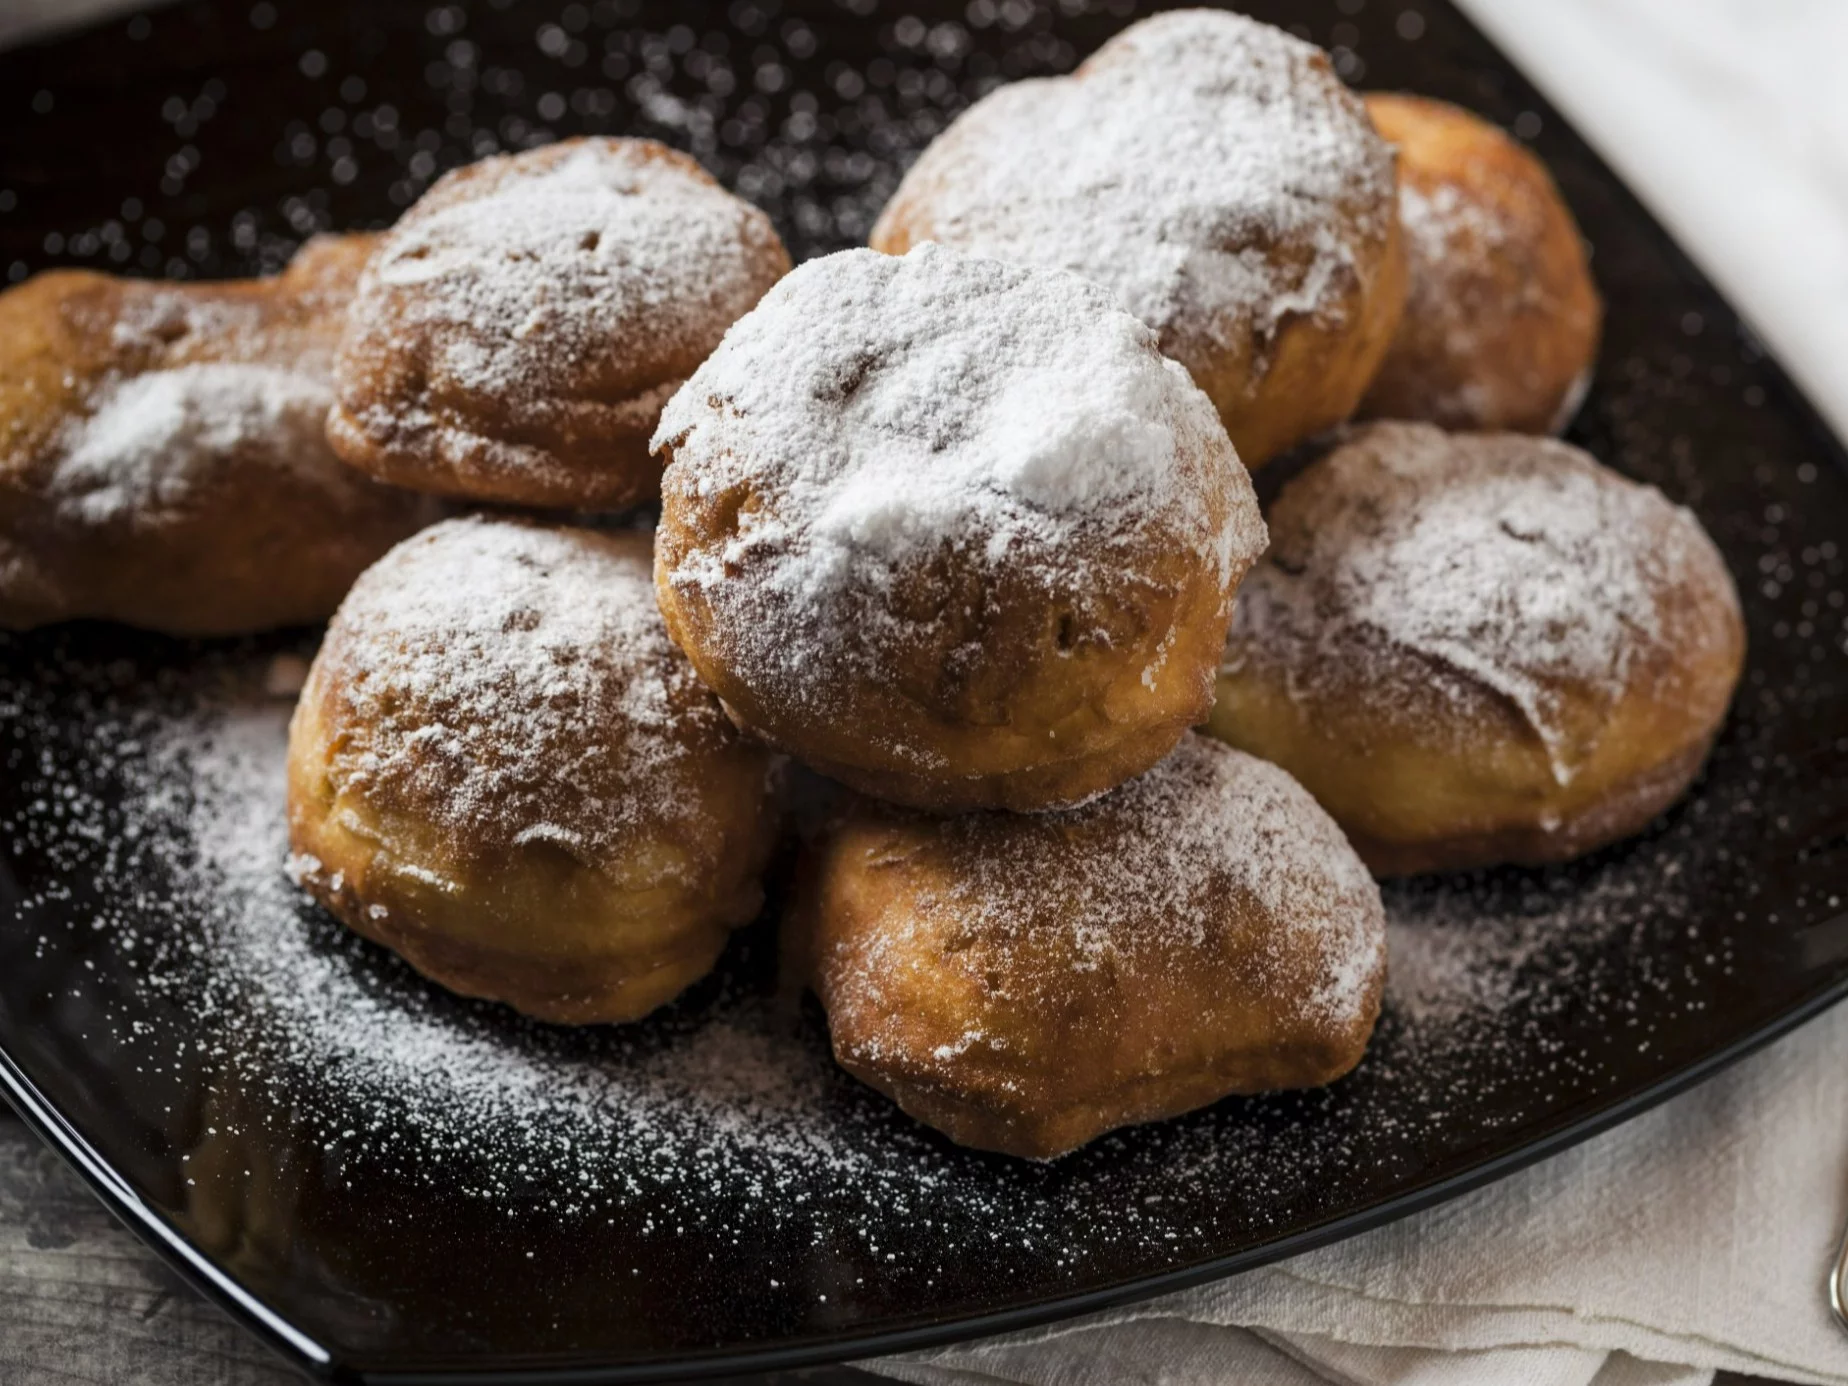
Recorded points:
382,1178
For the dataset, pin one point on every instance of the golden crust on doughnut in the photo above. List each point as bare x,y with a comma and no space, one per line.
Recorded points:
1480,648
524,322
502,769
1501,325
1025,984
1218,177
161,452
951,531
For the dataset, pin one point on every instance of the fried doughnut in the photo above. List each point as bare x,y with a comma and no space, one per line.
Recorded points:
1480,648
1216,174
523,323
952,531
161,452
1501,325
502,769
1026,983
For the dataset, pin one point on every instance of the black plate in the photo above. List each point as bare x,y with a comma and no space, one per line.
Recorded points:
388,1183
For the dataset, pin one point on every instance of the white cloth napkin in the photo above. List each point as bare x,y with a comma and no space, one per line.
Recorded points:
1695,1238
1730,119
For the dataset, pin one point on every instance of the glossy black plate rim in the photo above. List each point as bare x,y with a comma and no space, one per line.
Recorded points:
304,1353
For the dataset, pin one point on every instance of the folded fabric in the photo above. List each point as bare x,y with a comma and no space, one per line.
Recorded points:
1730,120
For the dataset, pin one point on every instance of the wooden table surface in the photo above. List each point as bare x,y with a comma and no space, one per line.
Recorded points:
83,1303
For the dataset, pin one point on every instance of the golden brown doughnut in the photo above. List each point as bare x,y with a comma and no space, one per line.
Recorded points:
952,531
1501,325
502,769
1026,983
523,323
1480,648
1216,174
161,452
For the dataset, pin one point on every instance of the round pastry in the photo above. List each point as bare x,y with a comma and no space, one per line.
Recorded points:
1480,648
1026,983
1501,323
952,531
502,769
1216,174
161,453
523,323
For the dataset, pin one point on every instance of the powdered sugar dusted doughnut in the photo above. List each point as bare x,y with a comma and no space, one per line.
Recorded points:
952,531
1476,648
523,323
502,768
1501,325
162,460
1217,175
1025,984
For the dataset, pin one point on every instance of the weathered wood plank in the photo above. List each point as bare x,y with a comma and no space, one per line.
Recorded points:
83,1302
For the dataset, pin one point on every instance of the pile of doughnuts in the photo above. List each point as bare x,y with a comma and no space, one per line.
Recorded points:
956,545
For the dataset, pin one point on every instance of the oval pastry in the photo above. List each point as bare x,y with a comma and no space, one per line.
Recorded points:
1218,177
951,531
1480,648
1501,324
1025,984
162,461
502,769
523,323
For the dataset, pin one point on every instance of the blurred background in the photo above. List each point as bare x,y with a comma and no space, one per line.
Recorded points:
1726,115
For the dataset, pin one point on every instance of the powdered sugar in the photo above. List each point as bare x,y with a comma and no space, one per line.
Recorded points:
1164,1194
1445,231
1446,228
1209,169
472,1081
1440,216
885,410
508,680
1501,311
1512,564
595,256
1141,877
722,1121
1455,964
152,440
157,314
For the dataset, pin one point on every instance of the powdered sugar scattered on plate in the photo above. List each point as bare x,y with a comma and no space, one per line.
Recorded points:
462,1091
157,792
